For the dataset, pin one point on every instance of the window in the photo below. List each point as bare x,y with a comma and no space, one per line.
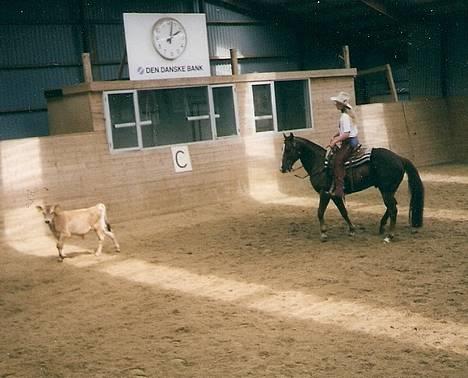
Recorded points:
290,101
292,104
263,97
121,116
150,118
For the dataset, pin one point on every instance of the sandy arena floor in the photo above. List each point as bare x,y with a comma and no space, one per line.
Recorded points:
247,289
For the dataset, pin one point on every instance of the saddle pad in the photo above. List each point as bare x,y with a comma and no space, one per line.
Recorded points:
360,157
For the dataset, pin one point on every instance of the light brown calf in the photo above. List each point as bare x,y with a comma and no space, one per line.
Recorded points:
65,223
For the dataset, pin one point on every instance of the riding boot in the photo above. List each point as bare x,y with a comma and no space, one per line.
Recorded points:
339,186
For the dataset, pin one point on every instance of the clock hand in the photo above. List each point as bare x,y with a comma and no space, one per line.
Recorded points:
170,33
169,39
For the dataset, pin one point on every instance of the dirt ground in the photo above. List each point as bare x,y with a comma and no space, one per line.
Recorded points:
246,288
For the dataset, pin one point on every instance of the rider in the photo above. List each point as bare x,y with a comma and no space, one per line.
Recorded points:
347,135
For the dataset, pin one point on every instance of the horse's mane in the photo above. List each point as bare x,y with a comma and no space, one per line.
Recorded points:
316,149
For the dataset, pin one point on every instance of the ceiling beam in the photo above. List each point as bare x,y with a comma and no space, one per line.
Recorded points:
381,8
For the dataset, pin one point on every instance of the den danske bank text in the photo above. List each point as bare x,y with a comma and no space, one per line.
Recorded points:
163,69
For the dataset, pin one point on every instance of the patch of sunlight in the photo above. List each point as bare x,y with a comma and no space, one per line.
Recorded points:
263,183
373,126
180,279
436,177
45,246
353,206
445,214
405,327
21,164
402,326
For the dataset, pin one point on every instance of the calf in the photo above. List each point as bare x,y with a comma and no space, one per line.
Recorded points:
65,223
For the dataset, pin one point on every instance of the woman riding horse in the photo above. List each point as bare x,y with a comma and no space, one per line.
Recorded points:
346,137
384,170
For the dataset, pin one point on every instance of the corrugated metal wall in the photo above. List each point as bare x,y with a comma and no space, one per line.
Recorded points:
456,64
41,43
261,46
40,50
424,60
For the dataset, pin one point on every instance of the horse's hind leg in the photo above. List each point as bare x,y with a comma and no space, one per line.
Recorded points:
344,213
392,212
383,222
324,200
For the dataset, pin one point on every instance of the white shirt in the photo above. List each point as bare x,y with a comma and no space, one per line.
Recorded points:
347,125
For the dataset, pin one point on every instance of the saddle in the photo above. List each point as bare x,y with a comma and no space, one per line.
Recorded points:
359,156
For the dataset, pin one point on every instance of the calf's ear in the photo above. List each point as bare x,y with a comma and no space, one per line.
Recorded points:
55,209
39,208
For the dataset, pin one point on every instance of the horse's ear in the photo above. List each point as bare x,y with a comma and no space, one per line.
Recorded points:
290,137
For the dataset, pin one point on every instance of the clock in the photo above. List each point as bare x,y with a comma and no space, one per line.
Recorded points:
169,38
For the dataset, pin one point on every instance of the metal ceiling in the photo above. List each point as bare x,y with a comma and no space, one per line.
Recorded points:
350,15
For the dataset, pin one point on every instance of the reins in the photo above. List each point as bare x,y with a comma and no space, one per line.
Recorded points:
295,169
313,174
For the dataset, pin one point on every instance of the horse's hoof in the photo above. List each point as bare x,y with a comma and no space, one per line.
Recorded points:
323,237
414,230
351,233
387,239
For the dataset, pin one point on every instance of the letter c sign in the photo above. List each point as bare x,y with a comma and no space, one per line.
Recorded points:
181,158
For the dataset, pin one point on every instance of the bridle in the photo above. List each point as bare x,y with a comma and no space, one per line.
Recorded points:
313,174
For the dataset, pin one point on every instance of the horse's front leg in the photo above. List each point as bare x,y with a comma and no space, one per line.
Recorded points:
324,200
344,213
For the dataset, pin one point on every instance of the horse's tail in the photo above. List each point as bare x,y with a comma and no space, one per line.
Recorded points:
416,188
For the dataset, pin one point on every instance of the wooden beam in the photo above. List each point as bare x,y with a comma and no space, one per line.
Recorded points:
391,82
380,7
347,62
87,70
234,62
388,74
122,63
372,70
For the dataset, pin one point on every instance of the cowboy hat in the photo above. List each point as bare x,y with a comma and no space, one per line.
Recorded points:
342,98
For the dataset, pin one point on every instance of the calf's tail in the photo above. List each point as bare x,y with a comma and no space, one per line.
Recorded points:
416,188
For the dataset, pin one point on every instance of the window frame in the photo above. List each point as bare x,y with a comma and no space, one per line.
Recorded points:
273,103
273,106
139,123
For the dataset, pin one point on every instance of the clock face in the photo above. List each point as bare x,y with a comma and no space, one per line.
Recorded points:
169,38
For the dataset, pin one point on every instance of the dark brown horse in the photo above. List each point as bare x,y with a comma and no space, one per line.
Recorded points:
384,170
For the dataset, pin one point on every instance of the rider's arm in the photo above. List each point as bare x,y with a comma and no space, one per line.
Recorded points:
339,138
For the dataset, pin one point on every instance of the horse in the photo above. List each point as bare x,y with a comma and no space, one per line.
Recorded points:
385,171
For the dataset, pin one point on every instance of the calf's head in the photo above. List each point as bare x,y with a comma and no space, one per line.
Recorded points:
48,212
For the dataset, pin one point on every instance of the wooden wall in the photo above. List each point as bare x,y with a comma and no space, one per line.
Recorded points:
419,130
458,116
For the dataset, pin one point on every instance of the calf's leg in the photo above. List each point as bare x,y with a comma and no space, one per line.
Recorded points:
60,243
100,235
111,235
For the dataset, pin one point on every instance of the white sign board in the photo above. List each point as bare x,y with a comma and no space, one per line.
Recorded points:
181,158
166,45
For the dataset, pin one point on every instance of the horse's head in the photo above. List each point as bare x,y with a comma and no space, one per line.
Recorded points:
290,153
